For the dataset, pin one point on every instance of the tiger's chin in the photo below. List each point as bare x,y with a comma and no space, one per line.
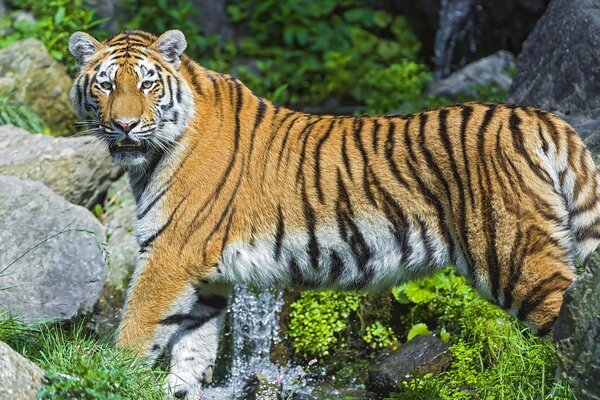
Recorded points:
130,157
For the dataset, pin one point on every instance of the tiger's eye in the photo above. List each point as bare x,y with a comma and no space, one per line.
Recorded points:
106,85
147,84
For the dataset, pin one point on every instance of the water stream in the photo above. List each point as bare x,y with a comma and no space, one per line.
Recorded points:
254,328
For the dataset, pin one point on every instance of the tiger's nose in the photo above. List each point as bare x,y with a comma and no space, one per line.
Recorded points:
126,125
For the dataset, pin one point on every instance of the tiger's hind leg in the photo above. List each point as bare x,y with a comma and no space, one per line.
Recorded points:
534,286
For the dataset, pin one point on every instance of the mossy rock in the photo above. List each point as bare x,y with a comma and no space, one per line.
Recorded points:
28,75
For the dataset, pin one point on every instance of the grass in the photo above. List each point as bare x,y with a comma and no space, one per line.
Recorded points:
20,115
78,366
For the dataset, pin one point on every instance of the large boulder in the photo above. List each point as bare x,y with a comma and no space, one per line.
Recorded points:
20,379
492,71
78,169
122,250
559,66
558,70
29,75
51,258
467,30
577,334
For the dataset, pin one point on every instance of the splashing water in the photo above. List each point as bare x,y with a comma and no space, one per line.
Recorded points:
456,25
254,329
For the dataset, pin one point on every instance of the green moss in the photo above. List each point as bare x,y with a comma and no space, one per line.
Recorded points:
495,357
318,320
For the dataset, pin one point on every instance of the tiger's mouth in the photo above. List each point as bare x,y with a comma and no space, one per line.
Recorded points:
128,145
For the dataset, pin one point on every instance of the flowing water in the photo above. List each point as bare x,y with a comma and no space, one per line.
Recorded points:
456,27
253,329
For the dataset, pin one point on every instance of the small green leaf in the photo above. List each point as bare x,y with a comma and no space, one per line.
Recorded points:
59,17
381,18
416,330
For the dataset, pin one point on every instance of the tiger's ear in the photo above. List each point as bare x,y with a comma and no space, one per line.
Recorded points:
171,45
83,47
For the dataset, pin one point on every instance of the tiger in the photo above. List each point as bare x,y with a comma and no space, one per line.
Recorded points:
231,188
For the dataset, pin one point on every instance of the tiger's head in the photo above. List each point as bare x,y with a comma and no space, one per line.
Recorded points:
130,90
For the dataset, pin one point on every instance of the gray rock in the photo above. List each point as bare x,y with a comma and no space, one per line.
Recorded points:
420,356
559,66
577,334
29,75
122,246
20,379
122,249
494,70
51,261
75,168
213,19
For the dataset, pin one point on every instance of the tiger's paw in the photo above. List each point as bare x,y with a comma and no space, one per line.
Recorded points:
186,386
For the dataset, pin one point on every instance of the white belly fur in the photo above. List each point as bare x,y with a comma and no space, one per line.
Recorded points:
255,264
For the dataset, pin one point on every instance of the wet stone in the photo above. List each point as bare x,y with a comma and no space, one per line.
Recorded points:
257,387
420,356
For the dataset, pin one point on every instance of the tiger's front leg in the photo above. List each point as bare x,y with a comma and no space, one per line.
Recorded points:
172,313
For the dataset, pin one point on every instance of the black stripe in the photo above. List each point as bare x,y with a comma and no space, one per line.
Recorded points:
170,85
189,322
309,216
466,114
357,128
232,159
285,139
260,115
395,215
195,83
428,195
279,234
215,301
515,264
432,164
514,122
540,292
375,135
389,152
317,157
462,211
227,230
348,230
345,156
337,267
156,234
295,272
304,135
486,194
276,131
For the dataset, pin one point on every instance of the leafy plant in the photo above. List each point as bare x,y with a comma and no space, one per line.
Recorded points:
336,50
318,319
378,336
54,21
158,16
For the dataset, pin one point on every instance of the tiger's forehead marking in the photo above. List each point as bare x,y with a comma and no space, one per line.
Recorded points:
143,67
146,69
107,69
